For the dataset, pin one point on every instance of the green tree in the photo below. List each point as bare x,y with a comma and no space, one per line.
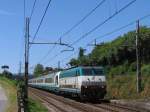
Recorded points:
119,53
74,62
81,52
38,70
5,67
6,72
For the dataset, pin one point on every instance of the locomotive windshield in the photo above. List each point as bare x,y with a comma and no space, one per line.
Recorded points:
93,71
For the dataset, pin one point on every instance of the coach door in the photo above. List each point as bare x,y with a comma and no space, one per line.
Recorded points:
56,80
76,85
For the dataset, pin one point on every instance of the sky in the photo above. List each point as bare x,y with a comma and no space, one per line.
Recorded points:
60,17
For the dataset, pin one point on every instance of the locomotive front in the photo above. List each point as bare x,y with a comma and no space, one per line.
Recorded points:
93,84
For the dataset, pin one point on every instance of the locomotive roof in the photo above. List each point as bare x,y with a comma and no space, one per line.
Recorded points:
84,67
45,76
80,67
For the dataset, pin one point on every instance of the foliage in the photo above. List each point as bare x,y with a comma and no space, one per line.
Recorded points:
146,69
38,70
7,74
82,59
74,62
5,67
36,106
124,87
81,52
119,51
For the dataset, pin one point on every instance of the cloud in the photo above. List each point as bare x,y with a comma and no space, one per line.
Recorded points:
6,13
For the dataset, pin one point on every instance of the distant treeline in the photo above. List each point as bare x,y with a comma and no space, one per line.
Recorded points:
7,74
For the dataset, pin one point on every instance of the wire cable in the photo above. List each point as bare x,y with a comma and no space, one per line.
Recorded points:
58,54
41,21
33,8
109,33
74,26
125,26
85,17
102,23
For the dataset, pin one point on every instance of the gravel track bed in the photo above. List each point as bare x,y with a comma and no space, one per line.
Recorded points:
117,108
69,105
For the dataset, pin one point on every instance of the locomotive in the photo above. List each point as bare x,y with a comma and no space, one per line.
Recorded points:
84,82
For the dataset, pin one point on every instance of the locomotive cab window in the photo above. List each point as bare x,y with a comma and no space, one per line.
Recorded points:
87,71
92,71
98,71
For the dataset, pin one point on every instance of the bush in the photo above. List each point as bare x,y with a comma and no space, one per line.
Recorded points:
146,69
124,87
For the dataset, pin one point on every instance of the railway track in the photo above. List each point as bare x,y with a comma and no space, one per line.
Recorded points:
117,107
61,104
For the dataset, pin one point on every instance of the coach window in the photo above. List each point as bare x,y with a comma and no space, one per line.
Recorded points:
40,80
48,80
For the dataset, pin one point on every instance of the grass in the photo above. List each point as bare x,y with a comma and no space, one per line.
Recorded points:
124,87
36,106
11,92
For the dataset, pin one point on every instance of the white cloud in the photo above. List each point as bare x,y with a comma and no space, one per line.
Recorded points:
7,13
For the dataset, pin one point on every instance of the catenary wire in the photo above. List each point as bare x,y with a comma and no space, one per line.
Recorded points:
102,23
109,33
73,27
35,35
33,8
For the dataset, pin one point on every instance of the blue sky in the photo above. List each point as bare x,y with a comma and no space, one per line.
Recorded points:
61,16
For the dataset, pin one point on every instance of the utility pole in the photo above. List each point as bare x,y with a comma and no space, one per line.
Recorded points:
26,63
138,57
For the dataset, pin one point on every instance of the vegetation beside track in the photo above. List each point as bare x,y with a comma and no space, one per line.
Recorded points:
33,104
124,87
10,87
36,106
11,92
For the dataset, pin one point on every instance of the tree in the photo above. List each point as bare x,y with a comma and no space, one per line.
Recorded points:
5,67
81,52
6,73
38,70
120,51
74,62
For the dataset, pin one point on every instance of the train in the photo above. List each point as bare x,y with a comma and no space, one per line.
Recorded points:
84,82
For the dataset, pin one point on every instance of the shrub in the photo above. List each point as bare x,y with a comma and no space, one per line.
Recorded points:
146,69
